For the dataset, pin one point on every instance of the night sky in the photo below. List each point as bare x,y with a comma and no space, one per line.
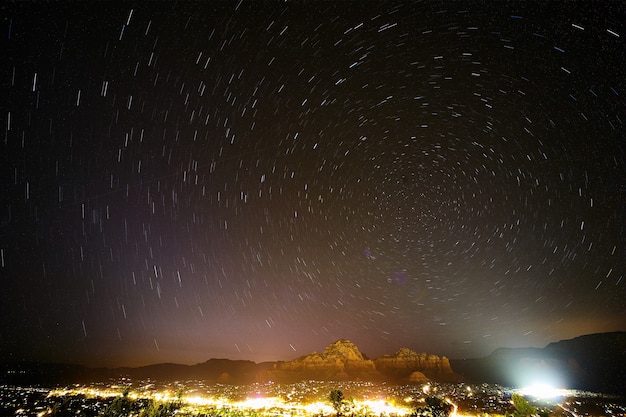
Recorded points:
257,180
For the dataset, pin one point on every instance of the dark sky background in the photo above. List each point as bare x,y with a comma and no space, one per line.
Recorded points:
256,180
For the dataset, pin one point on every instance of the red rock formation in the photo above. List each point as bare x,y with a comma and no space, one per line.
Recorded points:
405,361
408,359
417,376
342,360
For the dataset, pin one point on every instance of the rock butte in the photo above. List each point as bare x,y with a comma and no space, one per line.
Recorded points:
342,360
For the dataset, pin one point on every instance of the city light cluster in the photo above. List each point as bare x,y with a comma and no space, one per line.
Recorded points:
305,399
365,407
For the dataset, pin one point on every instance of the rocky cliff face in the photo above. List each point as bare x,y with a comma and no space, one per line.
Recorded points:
343,350
342,360
406,362
339,356
408,359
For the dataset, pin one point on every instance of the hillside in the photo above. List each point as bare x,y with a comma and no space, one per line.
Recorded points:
595,362
341,361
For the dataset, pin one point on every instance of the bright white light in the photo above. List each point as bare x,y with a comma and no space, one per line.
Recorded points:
382,407
543,391
318,408
261,403
198,400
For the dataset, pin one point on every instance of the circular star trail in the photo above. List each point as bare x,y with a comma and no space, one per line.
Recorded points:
257,180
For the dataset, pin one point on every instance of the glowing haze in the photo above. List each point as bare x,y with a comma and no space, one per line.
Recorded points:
256,180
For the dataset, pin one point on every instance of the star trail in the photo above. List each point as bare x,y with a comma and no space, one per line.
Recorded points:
254,180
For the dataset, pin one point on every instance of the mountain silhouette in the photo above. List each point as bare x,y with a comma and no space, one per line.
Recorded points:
594,362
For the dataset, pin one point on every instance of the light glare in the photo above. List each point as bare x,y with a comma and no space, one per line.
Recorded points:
543,391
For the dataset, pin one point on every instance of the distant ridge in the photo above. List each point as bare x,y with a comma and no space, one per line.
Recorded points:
341,361
595,362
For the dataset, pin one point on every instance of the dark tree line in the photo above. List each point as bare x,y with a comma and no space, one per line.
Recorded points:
435,407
